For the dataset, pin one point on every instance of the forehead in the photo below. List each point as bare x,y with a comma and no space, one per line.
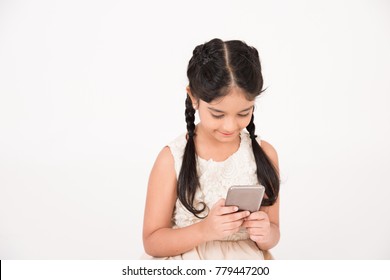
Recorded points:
234,100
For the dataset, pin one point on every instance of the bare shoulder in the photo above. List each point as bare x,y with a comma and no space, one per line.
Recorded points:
270,151
161,194
165,156
268,148
164,165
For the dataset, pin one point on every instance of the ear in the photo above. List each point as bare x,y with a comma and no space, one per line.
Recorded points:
194,100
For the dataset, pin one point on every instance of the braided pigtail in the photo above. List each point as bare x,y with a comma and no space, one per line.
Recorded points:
188,181
267,174
214,68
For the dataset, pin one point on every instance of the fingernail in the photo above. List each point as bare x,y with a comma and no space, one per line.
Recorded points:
235,208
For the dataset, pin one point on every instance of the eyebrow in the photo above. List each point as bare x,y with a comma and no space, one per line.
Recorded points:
220,111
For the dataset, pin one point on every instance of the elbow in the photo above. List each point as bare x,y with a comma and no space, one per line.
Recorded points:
150,248
150,251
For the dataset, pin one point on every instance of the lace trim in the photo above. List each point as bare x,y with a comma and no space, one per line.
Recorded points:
215,178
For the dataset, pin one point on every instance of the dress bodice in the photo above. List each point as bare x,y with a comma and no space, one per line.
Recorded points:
215,178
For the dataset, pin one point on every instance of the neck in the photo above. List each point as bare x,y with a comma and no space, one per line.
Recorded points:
208,147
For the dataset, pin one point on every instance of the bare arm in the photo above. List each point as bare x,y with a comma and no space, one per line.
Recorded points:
159,238
263,226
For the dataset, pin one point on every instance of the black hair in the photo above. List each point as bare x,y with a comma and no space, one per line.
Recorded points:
215,66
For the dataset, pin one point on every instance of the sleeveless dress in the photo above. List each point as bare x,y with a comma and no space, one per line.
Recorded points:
215,179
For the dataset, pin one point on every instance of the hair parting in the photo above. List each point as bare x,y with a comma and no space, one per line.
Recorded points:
214,67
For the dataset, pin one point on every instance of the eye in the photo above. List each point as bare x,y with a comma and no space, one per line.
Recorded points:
243,115
217,116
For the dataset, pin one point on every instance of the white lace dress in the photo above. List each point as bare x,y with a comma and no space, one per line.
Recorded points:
215,178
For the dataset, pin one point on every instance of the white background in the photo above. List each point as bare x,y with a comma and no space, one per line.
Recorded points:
90,91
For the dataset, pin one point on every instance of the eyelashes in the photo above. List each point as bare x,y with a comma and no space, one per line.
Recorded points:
221,116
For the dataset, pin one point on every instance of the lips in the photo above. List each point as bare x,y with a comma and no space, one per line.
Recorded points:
227,133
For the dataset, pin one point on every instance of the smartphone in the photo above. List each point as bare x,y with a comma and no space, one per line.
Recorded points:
246,197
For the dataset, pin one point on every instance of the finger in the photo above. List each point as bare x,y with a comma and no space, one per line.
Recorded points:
232,226
231,231
238,216
257,231
219,203
258,215
220,209
255,223
258,238
224,210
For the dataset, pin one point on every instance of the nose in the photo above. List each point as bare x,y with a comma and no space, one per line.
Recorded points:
230,125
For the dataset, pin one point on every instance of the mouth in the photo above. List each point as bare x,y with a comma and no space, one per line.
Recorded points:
226,134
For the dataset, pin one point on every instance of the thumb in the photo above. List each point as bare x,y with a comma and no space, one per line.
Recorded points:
219,203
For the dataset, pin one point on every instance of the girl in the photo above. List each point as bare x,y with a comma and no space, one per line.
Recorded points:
185,214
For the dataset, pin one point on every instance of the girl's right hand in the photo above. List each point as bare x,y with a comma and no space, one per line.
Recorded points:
222,221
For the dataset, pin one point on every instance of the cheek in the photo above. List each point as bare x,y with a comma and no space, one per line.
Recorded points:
212,123
208,121
244,122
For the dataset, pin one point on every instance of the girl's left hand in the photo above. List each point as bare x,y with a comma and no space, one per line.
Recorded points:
258,226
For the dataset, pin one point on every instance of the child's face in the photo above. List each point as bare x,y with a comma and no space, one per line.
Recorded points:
225,118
